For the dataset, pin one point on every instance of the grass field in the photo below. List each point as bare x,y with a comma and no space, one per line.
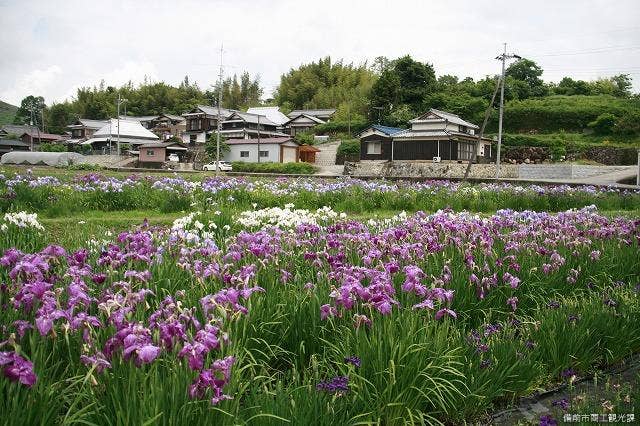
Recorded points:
162,300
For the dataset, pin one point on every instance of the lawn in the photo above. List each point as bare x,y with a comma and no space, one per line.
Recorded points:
163,300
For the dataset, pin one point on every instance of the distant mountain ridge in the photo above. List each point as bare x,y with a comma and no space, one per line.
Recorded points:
7,113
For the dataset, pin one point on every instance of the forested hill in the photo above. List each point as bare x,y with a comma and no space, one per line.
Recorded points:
390,92
7,113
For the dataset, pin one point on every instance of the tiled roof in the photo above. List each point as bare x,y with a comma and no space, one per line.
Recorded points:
42,135
272,113
314,112
128,128
252,118
17,129
452,118
255,141
386,129
11,142
310,117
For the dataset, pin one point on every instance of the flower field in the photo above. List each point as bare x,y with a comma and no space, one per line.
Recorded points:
299,302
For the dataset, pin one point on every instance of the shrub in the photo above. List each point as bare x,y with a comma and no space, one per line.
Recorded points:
283,168
350,146
628,124
84,166
603,124
52,147
304,138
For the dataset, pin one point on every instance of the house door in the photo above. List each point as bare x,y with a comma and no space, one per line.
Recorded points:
289,154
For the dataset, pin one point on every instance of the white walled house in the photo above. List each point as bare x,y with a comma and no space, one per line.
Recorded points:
201,122
434,136
272,150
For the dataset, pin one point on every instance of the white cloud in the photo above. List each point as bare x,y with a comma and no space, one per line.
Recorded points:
125,40
34,83
136,72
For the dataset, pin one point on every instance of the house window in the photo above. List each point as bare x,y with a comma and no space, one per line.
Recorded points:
244,154
464,129
150,153
212,122
374,148
264,153
465,150
77,133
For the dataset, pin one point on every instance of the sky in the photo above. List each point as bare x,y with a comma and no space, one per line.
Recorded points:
51,48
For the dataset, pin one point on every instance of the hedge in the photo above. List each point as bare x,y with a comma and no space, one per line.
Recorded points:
284,168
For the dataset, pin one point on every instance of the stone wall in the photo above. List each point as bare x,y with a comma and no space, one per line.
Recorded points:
428,169
478,171
611,155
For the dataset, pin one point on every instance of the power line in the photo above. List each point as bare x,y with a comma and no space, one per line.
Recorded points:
606,49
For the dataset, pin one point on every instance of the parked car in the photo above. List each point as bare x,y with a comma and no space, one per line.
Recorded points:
174,158
224,166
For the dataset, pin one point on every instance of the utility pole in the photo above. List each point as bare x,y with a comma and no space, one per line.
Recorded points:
118,115
258,138
219,123
487,113
502,58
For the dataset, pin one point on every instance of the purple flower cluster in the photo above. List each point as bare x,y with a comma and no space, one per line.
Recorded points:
337,384
17,369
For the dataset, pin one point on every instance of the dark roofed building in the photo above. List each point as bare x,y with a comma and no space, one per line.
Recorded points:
8,145
322,114
434,136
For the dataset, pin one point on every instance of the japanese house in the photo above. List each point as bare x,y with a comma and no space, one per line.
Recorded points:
434,136
83,128
155,154
201,122
269,150
242,125
131,133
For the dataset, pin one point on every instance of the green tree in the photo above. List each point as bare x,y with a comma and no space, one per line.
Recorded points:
326,84
211,147
30,111
58,117
404,82
527,82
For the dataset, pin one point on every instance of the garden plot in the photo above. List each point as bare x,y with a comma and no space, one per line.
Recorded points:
246,310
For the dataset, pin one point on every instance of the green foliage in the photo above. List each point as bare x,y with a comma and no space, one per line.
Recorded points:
304,138
281,168
603,124
211,147
568,113
336,127
404,81
628,124
84,167
30,109
351,146
7,113
528,83
52,147
240,95
326,84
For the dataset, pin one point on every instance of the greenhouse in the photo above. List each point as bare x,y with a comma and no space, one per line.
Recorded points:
41,158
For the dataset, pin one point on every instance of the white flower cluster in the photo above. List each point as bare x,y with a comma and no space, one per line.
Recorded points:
191,229
388,221
287,217
21,220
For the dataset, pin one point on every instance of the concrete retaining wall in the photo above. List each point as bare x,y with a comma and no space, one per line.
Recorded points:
428,170
478,171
